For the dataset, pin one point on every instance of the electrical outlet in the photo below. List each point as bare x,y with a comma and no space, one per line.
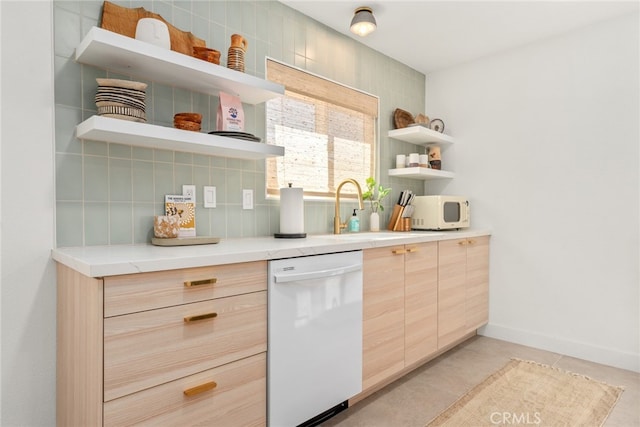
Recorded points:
189,190
247,199
209,194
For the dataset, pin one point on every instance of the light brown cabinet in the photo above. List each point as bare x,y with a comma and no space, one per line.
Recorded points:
399,308
420,299
383,314
182,347
463,287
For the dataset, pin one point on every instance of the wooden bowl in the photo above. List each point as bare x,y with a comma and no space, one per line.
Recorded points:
190,117
207,54
187,125
402,118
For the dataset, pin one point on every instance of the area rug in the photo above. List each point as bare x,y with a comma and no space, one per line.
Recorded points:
529,393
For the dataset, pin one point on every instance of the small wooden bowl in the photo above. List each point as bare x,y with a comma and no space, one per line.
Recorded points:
207,54
190,117
402,118
187,125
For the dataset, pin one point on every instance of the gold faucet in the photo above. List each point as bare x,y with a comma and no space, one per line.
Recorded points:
337,224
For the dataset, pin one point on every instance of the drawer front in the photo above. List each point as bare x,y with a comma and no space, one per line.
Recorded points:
131,293
142,350
238,398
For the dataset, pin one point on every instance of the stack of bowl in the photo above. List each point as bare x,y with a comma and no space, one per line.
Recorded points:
235,59
207,54
187,121
121,99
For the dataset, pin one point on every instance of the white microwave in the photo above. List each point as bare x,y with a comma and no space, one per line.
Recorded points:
440,212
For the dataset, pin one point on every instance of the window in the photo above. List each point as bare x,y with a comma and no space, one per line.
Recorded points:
328,132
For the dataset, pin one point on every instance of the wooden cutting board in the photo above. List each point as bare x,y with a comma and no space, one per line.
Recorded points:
123,20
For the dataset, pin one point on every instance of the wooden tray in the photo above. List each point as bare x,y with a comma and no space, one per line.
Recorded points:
123,20
185,241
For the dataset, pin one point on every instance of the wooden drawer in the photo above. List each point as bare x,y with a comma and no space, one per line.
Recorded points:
132,293
142,350
238,399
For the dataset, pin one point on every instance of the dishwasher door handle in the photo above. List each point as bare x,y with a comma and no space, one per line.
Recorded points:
316,274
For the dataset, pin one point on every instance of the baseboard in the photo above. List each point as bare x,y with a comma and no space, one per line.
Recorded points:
605,356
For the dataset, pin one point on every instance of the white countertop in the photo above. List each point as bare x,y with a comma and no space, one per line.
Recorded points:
99,261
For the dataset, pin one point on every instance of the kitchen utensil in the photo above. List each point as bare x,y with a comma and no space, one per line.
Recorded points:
437,125
235,56
123,20
121,99
207,54
402,118
187,121
422,119
434,157
154,31
238,135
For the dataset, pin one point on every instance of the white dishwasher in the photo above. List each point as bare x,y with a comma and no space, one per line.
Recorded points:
315,337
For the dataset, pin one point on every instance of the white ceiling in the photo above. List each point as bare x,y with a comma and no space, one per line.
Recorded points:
430,35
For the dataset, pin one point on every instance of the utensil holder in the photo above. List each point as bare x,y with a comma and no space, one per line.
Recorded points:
395,223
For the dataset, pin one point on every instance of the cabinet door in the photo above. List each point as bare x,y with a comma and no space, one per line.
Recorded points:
143,350
452,260
229,395
420,301
383,314
477,282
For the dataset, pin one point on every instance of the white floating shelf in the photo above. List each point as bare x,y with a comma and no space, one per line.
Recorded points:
125,55
137,134
421,173
420,135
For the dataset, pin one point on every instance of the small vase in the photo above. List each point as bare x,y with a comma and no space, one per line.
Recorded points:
374,222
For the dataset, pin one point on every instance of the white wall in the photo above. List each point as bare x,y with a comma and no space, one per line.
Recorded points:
27,283
546,147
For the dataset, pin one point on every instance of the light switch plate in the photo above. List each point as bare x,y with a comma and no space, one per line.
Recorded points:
209,194
247,199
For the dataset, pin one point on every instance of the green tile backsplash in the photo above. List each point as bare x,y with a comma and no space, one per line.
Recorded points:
108,193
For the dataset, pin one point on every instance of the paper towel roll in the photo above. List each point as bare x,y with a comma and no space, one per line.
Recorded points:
291,211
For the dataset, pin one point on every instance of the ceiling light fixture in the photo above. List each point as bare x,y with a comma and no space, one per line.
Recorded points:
363,22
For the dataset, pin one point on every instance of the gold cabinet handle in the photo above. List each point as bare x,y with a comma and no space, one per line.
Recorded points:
200,388
463,242
191,283
412,250
472,242
189,319
398,251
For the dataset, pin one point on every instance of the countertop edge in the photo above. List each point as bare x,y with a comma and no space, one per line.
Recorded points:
101,261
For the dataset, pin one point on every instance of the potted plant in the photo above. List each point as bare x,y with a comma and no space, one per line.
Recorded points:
375,193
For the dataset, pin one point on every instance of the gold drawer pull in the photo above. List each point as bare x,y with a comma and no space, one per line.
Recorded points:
463,242
398,251
200,388
411,250
200,282
200,317
472,242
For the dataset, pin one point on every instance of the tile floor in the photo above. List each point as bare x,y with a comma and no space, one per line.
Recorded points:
422,394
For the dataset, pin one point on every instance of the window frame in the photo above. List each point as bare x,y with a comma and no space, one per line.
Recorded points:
298,80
